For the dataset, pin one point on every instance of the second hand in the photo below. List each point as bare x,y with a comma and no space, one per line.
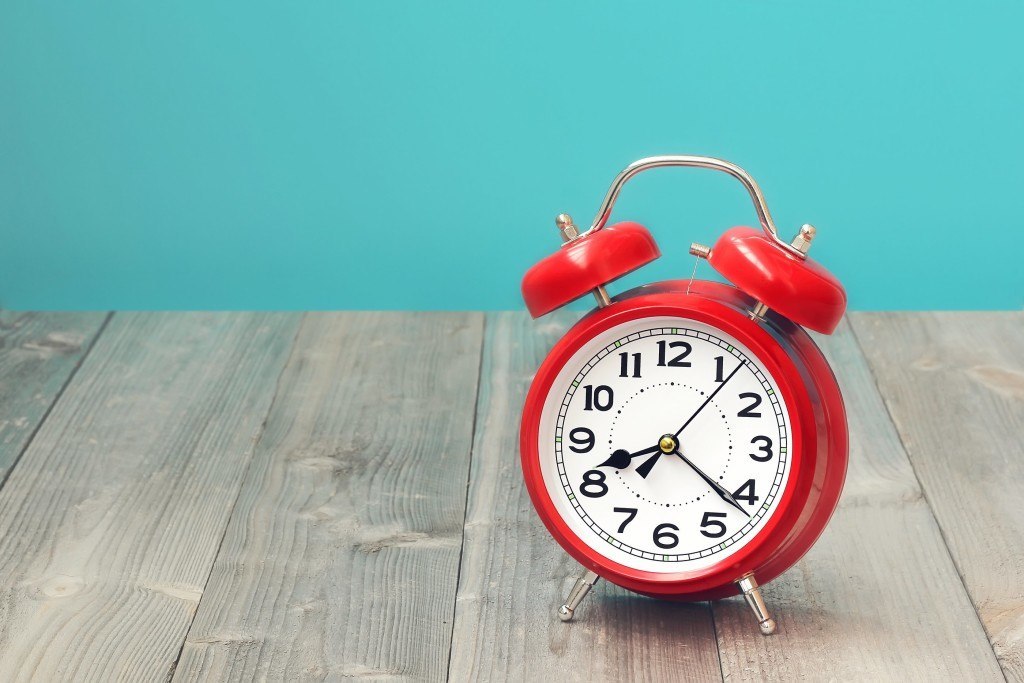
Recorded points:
708,399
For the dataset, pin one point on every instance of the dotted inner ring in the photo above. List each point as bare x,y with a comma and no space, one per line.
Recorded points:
782,453
611,433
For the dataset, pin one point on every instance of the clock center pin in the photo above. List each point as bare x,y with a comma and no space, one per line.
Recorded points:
668,444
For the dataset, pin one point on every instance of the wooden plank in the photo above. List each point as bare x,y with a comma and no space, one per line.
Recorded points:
111,521
341,559
954,384
514,575
878,597
39,352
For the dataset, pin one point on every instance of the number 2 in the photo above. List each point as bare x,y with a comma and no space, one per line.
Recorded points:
749,410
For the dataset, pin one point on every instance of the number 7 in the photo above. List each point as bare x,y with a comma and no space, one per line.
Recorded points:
630,512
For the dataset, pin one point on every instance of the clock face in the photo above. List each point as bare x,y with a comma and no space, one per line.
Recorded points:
665,444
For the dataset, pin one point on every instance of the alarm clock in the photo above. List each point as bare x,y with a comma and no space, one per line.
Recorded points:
686,439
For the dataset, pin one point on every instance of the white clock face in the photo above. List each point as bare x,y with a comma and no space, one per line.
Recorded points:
665,444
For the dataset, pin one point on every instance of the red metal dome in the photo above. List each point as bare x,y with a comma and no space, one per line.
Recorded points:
586,263
795,288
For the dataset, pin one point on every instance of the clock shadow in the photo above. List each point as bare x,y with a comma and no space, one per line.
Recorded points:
658,633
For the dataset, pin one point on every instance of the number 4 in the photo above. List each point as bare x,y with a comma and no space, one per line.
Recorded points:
750,498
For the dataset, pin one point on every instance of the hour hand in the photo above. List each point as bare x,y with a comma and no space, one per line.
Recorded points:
621,458
644,468
666,444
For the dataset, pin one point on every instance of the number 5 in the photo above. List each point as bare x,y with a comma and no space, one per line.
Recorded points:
710,522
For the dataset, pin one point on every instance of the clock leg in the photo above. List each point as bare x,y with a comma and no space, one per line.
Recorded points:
576,595
752,594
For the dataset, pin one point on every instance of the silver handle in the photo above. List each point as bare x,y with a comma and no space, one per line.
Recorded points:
735,171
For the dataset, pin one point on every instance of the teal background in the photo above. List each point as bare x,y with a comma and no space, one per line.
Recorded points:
333,154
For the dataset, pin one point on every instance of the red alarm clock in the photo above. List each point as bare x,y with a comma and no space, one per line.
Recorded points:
685,439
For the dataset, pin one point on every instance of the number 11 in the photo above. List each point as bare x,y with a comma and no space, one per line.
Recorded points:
624,364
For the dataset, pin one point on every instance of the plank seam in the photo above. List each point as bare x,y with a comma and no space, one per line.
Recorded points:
924,492
56,399
718,644
469,481
234,504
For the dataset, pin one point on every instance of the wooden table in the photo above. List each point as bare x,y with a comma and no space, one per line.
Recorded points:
332,495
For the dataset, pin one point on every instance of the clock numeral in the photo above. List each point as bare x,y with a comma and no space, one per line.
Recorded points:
594,397
666,539
582,437
749,410
711,527
624,364
593,485
719,368
678,361
630,515
750,498
765,447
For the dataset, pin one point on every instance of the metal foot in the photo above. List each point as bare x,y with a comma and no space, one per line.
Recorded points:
576,595
752,594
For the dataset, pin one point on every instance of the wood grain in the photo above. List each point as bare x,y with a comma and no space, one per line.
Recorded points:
877,598
334,539
111,520
341,560
38,354
514,575
954,384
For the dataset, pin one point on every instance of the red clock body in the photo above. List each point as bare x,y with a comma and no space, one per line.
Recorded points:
686,439
690,535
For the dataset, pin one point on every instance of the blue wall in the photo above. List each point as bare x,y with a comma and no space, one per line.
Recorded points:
337,154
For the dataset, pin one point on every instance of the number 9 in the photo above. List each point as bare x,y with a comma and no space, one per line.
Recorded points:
583,437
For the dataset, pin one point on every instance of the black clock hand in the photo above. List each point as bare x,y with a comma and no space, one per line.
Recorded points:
645,467
665,445
725,495
621,458
708,399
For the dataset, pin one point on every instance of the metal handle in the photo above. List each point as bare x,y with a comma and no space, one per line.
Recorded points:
697,162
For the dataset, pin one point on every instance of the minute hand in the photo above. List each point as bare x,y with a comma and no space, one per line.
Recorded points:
723,493
708,399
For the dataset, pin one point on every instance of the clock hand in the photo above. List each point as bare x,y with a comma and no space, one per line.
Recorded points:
724,494
621,458
645,467
666,444
708,399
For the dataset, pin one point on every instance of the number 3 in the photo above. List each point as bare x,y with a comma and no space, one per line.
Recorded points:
765,447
